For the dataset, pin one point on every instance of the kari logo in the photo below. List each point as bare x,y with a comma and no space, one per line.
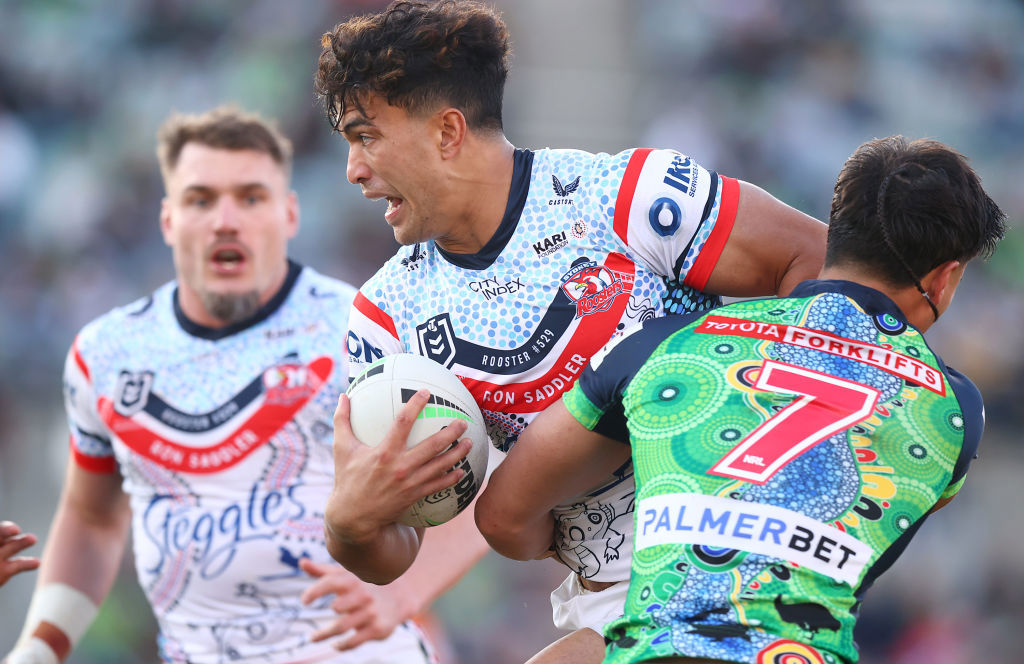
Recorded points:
550,244
593,287
562,192
437,340
132,391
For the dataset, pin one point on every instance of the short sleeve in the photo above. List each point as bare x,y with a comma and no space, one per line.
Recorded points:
90,442
674,214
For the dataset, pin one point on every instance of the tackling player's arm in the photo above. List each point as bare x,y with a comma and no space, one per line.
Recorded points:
554,459
374,486
79,563
771,248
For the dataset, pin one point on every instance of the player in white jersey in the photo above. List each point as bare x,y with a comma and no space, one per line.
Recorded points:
200,418
519,265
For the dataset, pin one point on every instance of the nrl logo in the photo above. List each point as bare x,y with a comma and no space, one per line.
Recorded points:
132,391
437,340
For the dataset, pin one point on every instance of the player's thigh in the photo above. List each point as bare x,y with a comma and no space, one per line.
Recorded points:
584,646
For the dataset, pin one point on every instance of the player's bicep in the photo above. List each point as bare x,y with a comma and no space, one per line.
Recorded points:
771,248
554,459
95,498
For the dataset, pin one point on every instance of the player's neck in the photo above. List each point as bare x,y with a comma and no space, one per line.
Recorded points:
481,182
910,302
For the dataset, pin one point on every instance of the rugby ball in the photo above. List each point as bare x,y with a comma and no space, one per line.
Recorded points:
379,392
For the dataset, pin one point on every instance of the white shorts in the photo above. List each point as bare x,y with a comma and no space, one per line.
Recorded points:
574,607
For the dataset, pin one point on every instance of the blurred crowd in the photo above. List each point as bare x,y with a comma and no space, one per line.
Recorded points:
776,92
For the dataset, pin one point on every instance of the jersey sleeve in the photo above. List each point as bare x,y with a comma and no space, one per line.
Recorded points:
973,410
674,214
371,335
91,448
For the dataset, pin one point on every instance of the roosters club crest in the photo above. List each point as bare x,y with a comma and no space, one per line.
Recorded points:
593,287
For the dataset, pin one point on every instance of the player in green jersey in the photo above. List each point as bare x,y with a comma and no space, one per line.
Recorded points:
785,450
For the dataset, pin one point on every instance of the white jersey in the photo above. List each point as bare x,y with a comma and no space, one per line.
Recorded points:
223,439
590,245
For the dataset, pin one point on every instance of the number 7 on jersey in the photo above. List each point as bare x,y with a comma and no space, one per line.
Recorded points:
827,405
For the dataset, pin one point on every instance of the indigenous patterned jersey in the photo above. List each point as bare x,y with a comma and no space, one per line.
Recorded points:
785,452
589,245
223,438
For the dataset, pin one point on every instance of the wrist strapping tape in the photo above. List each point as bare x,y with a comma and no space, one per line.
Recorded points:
58,617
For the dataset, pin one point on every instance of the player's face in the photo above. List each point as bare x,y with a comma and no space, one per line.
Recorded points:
394,156
227,216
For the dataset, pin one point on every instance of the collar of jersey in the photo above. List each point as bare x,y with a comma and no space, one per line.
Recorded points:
873,302
522,169
212,333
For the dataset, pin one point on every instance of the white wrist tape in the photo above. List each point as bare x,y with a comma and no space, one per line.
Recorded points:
58,617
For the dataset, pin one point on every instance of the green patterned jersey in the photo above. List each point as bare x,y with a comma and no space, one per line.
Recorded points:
785,452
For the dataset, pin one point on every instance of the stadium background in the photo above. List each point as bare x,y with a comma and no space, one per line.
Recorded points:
777,92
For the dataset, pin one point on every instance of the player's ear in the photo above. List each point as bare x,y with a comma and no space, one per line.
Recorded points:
941,282
165,221
292,203
453,130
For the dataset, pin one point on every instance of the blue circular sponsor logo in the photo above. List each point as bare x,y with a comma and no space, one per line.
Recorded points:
665,216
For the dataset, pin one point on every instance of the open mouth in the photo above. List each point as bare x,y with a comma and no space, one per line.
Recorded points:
228,259
394,204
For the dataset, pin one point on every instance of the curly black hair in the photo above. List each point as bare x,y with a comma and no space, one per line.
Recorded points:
418,55
904,207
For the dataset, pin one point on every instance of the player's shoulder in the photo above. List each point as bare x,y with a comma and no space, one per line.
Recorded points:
592,165
132,320
400,275
320,288
316,296
587,180
966,392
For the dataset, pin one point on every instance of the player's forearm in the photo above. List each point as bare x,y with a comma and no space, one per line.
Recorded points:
84,553
519,538
379,557
78,568
448,551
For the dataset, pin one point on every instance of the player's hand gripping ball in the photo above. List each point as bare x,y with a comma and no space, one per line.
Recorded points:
376,396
